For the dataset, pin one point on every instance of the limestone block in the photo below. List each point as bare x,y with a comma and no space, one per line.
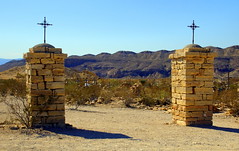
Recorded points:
60,107
47,61
36,79
48,78
49,66
42,100
58,72
55,85
56,113
208,65
59,60
41,86
33,61
39,113
51,107
59,56
47,72
37,55
41,92
195,60
56,119
203,103
186,102
60,92
204,78
37,66
33,86
203,90
195,108
59,78
184,90
58,66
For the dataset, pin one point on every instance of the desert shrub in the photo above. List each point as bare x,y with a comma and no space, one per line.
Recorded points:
13,94
227,97
77,93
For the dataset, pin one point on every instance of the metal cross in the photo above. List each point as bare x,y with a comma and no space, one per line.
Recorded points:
44,24
193,26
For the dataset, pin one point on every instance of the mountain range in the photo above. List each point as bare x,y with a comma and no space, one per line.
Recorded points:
146,64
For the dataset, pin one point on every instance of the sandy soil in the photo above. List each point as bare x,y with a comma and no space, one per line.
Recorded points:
123,129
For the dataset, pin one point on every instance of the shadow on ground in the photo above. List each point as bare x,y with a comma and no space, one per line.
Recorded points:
89,134
225,129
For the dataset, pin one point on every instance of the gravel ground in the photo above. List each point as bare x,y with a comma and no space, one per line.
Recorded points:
104,128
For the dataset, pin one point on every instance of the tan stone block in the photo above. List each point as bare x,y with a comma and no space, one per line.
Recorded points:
190,119
189,66
58,66
58,72
192,72
33,86
47,61
184,90
195,60
51,107
195,108
41,86
208,65
39,113
49,66
36,79
59,60
48,78
57,56
203,90
197,65
59,92
43,100
47,72
192,54
33,61
58,100
37,55
192,97
60,107
203,102
59,78
37,66
56,113
41,92
204,78
186,102
55,85
209,84
56,119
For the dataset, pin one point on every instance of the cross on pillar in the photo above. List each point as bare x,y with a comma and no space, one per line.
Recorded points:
193,26
44,24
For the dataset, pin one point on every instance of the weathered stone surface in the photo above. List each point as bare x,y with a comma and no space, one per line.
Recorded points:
192,86
45,83
55,85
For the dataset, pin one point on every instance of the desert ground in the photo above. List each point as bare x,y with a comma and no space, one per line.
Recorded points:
106,128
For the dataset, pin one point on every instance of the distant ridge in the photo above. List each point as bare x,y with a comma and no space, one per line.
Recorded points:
146,64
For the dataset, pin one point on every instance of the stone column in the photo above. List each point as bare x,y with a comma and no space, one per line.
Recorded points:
45,82
192,85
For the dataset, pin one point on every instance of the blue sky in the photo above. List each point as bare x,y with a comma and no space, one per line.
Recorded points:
93,26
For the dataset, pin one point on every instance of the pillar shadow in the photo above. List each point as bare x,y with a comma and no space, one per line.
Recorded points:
88,134
218,128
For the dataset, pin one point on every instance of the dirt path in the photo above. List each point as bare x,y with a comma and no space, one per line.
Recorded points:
121,129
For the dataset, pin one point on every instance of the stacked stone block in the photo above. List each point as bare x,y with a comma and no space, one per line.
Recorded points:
46,85
192,85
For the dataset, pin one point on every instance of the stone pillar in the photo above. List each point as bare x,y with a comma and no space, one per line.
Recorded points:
45,82
192,85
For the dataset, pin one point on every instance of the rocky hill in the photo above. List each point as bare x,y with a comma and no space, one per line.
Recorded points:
145,64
